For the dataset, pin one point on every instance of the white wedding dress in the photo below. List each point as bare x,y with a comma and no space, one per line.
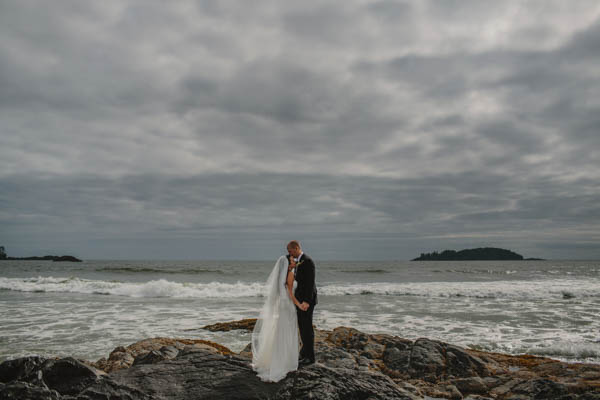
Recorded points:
275,343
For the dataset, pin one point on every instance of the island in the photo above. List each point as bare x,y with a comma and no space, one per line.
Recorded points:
478,254
4,257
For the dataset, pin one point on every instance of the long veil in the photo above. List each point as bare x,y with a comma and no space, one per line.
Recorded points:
275,335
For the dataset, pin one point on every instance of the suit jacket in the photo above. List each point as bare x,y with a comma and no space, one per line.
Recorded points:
306,290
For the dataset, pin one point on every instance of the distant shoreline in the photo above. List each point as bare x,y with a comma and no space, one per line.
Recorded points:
44,258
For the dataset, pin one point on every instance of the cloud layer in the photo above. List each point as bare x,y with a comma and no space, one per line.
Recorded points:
216,129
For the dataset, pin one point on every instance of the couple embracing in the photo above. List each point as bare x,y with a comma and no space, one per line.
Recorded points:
291,299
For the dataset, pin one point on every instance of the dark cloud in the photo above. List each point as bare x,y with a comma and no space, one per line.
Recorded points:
368,130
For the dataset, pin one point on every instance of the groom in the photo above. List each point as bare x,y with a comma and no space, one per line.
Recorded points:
306,294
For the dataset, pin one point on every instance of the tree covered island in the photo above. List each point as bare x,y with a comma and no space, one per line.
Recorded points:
4,256
481,253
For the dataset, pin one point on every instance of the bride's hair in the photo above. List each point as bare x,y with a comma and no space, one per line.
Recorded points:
294,244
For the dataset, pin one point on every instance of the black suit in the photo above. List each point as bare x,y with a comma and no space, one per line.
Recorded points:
306,291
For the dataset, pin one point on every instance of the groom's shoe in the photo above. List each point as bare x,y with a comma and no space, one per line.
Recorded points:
306,361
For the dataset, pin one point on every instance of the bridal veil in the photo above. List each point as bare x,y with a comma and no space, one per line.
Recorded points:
275,335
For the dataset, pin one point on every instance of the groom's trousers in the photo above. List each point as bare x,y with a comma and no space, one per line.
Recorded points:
307,334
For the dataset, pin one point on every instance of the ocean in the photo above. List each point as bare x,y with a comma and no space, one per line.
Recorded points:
547,308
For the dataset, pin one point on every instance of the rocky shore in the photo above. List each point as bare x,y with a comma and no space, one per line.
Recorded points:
350,365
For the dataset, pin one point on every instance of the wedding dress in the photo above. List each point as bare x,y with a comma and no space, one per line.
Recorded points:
275,336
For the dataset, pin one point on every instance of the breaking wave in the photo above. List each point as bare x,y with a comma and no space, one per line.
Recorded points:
564,290
154,288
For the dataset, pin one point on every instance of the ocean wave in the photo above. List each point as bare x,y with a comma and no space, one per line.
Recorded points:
515,290
367,271
475,271
577,351
154,288
160,270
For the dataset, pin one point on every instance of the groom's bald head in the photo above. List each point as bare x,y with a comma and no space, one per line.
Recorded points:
294,244
294,248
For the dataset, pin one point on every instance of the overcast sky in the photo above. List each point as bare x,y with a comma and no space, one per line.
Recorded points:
365,129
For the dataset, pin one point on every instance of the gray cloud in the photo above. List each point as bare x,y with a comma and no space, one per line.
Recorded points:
369,130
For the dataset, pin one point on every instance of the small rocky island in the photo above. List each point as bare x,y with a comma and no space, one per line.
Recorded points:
3,256
478,254
351,365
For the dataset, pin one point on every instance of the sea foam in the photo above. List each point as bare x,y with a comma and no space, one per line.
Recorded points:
516,290
153,288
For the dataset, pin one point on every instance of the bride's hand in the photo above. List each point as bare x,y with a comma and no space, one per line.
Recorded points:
292,264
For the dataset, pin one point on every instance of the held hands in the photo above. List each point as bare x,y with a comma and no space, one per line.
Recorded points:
304,306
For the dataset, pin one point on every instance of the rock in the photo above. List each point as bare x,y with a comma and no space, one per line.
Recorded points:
36,376
396,361
118,359
68,375
166,348
410,388
151,357
426,359
321,382
453,392
590,396
246,352
432,360
108,389
459,363
336,358
202,374
372,350
505,387
154,356
350,365
18,369
247,324
26,391
473,385
540,389
169,351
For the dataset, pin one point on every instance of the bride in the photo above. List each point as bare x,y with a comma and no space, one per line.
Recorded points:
275,336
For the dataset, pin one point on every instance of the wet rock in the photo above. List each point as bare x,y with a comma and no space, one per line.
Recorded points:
396,359
505,387
198,373
432,360
151,357
154,356
18,390
165,348
119,358
459,363
473,385
68,375
321,382
18,369
245,324
426,359
246,352
350,365
31,376
540,389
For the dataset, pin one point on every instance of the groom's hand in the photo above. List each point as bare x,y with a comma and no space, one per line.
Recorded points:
304,306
